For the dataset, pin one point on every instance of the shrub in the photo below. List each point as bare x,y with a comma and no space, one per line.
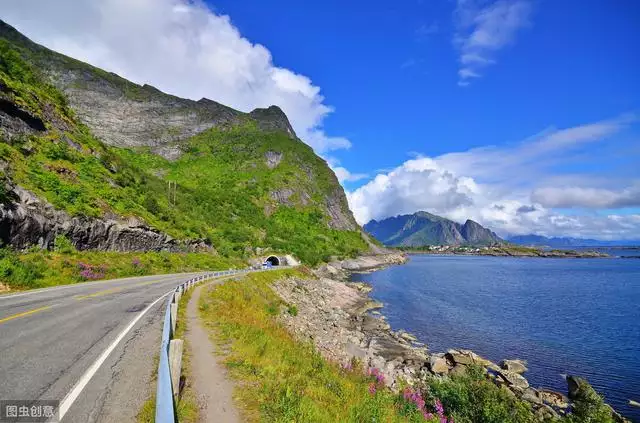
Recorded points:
62,244
472,398
589,407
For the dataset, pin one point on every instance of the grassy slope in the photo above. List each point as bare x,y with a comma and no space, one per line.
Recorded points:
223,183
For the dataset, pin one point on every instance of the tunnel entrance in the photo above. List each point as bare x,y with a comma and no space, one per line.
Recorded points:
273,260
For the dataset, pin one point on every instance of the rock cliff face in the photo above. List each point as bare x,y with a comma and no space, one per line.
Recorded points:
29,221
422,228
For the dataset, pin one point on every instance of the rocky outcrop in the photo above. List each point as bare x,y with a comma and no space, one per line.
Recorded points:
340,270
273,119
514,366
29,221
272,158
337,208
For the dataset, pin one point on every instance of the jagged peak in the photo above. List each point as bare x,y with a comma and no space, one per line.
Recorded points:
273,118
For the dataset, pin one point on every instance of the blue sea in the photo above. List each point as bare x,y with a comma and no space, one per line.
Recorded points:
564,316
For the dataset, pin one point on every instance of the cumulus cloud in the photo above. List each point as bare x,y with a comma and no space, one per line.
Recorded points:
181,47
498,187
483,29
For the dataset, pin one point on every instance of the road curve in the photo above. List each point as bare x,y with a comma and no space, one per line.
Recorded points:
50,338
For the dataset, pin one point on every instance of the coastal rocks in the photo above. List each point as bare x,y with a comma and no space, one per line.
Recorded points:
554,399
339,319
514,366
513,379
438,364
467,357
340,270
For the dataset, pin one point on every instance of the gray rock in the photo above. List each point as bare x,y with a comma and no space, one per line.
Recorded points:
438,365
515,366
514,379
532,396
273,158
553,398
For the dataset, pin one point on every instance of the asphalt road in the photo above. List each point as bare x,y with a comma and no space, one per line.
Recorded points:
50,339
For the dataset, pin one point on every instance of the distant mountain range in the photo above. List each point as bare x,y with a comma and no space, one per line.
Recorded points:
422,228
558,242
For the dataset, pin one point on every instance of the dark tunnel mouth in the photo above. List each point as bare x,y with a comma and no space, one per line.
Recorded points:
275,261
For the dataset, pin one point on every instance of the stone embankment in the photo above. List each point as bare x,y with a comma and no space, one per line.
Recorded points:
344,323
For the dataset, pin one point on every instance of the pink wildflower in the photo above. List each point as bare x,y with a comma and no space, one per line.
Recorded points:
372,388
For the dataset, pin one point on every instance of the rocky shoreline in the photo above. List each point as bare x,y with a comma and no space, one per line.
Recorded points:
344,323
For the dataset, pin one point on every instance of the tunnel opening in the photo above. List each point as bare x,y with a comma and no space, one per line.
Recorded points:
273,260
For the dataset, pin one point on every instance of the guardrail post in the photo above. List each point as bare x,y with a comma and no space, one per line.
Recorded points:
174,316
175,363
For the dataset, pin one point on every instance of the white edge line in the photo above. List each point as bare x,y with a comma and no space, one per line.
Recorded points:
86,377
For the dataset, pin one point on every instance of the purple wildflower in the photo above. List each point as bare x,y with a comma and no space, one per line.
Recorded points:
439,409
135,262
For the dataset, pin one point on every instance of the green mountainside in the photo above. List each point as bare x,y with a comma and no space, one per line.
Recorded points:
422,228
112,165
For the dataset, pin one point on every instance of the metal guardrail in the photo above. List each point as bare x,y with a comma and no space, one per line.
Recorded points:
165,407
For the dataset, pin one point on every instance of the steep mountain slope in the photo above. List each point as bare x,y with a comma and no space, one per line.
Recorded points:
422,228
117,166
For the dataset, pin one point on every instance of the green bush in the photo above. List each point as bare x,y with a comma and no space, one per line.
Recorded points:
589,407
472,398
20,274
62,244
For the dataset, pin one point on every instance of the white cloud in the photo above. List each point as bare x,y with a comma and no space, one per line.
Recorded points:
180,47
599,198
483,29
503,188
344,175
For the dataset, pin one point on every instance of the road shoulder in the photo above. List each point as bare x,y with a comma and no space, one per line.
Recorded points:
213,387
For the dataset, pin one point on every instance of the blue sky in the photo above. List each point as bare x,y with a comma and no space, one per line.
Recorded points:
390,71
520,114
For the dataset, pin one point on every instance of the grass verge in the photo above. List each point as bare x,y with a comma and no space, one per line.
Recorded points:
42,268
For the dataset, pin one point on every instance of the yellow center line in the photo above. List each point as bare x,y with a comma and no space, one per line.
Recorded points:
114,290
24,313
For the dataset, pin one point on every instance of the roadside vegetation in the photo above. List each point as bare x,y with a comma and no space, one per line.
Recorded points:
65,265
281,379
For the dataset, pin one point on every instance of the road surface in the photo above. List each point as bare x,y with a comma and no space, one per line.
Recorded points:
52,340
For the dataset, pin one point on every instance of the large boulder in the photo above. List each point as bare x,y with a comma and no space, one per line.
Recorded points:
515,366
513,379
438,365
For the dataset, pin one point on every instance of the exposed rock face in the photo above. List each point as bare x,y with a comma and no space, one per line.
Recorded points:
273,158
29,221
422,228
338,211
16,121
273,119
